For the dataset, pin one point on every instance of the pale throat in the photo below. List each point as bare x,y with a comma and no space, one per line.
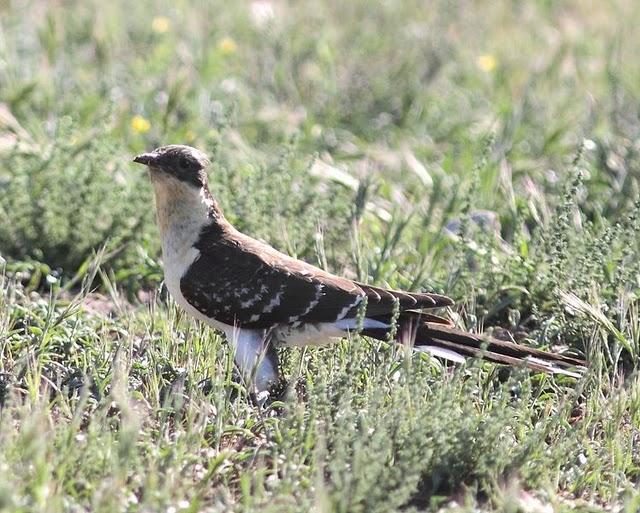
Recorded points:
182,210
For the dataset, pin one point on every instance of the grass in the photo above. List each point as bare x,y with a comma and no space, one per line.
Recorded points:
486,150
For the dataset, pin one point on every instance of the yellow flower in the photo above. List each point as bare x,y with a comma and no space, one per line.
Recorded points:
140,125
160,24
227,46
190,135
487,62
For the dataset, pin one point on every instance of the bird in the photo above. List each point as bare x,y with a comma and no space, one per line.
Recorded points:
262,299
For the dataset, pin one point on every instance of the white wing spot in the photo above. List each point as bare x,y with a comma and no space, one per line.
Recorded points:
252,301
346,309
312,303
275,301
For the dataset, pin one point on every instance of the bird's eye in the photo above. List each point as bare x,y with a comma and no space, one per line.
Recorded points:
184,163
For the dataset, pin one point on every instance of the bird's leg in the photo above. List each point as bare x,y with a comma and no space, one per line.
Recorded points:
256,359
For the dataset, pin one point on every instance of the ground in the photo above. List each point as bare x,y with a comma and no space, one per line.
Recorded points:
486,150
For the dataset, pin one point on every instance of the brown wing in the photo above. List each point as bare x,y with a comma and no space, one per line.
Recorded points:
239,280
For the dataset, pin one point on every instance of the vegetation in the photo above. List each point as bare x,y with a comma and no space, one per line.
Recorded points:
486,150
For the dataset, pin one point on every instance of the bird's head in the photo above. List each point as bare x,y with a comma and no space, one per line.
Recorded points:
183,163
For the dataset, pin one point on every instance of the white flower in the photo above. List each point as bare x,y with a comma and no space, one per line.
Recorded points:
262,13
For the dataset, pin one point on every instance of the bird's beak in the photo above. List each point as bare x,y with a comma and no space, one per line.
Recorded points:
146,158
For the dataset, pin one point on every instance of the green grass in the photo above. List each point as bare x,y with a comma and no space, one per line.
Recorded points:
486,150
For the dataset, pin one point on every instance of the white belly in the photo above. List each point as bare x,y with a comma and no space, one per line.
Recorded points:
320,333
317,334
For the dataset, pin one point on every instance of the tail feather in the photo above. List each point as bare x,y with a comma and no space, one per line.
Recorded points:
441,339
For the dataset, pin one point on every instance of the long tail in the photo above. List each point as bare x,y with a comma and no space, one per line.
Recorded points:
437,336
